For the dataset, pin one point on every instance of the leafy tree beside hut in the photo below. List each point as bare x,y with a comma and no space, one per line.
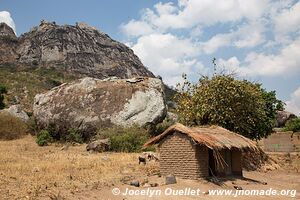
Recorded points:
237,105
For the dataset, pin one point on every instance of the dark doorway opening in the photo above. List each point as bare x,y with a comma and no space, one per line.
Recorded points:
211,163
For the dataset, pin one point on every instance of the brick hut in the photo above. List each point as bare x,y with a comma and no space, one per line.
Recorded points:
200,152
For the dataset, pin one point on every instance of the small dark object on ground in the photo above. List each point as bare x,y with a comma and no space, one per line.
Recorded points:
238,188
142,160
154,184
170,179
135,183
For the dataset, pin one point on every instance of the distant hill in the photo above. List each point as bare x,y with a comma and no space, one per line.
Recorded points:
79,49
49,55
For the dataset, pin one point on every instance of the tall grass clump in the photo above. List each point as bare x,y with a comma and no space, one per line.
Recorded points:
11,127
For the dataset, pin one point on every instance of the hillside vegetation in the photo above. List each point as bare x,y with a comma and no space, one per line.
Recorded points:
23,83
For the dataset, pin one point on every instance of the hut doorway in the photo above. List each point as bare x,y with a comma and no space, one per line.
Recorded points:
211,163
228,163
222,170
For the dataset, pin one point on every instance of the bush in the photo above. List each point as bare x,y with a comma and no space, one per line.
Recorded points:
54,134
293,125
2,91
43,138
74,135
125,139
32,126
161,127
11,127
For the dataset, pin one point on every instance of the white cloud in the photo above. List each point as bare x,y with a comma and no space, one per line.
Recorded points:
216,42
169,38
250,35
6,18
168,56
247,35
165,9
193,13
293,105
136,28
288,20
231,65
190,13
286,62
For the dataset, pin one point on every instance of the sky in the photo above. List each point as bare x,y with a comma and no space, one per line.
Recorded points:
258,40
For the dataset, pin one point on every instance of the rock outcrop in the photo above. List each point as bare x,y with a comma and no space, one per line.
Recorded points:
282,117
98,145
6,31
17,111
89,103
80,49
8,44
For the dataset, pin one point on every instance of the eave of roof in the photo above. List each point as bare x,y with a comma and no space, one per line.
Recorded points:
213,137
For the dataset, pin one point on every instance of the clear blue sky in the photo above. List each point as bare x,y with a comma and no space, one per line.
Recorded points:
257,39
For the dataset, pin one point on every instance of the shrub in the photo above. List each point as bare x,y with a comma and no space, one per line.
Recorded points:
125,139
43,138
54,133
51,133
32,126
161,127
51,83
74,135
293,125
11,127
2,91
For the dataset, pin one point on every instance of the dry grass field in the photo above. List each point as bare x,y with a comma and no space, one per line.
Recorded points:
28,171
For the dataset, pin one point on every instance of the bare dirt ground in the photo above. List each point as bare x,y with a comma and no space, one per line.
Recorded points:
28,171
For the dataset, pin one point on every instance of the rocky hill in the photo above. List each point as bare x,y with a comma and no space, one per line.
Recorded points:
49,55
80,49
8,44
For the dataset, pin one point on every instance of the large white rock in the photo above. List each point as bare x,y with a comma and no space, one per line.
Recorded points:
90,103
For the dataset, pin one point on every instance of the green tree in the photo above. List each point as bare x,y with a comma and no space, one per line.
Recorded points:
272,105
293,125
2,92
238,105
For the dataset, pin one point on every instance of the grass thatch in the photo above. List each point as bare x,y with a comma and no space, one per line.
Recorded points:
213,137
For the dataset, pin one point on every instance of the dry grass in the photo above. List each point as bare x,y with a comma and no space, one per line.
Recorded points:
11,127
32,172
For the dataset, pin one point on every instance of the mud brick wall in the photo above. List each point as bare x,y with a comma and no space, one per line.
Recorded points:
281,142
180,156
236,156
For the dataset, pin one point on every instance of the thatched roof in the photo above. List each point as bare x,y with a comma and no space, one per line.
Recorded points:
214,137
